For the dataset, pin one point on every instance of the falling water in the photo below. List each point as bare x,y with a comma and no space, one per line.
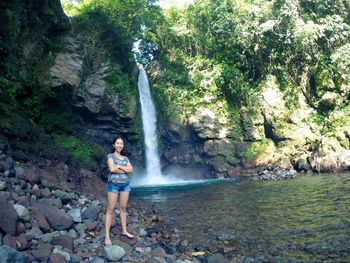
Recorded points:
153,173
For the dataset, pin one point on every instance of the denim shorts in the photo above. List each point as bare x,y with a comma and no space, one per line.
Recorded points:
118,187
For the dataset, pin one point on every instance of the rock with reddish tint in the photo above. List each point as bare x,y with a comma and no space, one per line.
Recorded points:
10,241
39,219
20,228
57,258
90,226
23,200
158,252
83,252
4,166
57,202
8,216
21,242
41,254
64,241
130,241
32,175
57,219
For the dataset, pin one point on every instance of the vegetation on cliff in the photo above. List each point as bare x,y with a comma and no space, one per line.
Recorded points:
228,55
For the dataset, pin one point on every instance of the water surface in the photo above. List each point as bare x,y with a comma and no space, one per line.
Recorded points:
303,220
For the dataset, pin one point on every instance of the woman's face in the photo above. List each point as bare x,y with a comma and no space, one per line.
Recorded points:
119,145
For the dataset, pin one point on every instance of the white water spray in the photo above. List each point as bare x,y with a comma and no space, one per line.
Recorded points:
153,172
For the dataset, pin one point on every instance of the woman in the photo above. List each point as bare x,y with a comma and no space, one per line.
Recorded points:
118,184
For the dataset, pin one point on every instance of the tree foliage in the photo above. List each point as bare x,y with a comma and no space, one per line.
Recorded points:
303,43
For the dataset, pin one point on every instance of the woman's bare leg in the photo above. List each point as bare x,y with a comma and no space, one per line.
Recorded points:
124,197
112,202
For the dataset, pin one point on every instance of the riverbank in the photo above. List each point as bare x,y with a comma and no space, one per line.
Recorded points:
50,213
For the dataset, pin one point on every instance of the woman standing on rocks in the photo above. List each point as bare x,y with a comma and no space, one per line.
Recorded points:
119,167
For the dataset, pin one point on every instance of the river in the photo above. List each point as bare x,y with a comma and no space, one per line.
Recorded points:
302,220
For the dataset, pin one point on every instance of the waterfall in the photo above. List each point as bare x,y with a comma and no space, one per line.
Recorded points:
153,173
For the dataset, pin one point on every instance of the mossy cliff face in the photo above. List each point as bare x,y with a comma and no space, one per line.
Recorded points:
101,105
63,95
204,130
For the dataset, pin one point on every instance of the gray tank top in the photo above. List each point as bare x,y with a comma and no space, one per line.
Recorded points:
116,177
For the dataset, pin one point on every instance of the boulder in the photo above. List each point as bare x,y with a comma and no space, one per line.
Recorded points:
8,216
57,219
10,255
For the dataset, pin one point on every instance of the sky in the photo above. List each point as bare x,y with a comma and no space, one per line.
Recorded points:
177,3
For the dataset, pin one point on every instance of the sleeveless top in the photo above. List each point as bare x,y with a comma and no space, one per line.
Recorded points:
118,177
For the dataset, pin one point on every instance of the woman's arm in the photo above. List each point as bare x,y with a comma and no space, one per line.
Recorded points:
112,167
127,169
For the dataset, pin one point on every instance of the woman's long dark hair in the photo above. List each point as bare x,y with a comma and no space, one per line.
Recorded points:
115,139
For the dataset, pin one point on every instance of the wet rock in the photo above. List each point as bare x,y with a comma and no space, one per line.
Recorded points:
274,174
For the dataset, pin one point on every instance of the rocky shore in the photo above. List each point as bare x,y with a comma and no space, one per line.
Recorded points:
48,214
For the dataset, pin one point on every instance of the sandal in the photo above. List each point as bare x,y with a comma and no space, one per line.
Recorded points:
128,235
108,242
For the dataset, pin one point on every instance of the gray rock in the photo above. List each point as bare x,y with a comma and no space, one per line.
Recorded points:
75,214
63,253
127,248
10,255
64,196
113,252
217,258
47,237
75,258
2,185
22,212
97,260
19,172
36,233
90,213
8,216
